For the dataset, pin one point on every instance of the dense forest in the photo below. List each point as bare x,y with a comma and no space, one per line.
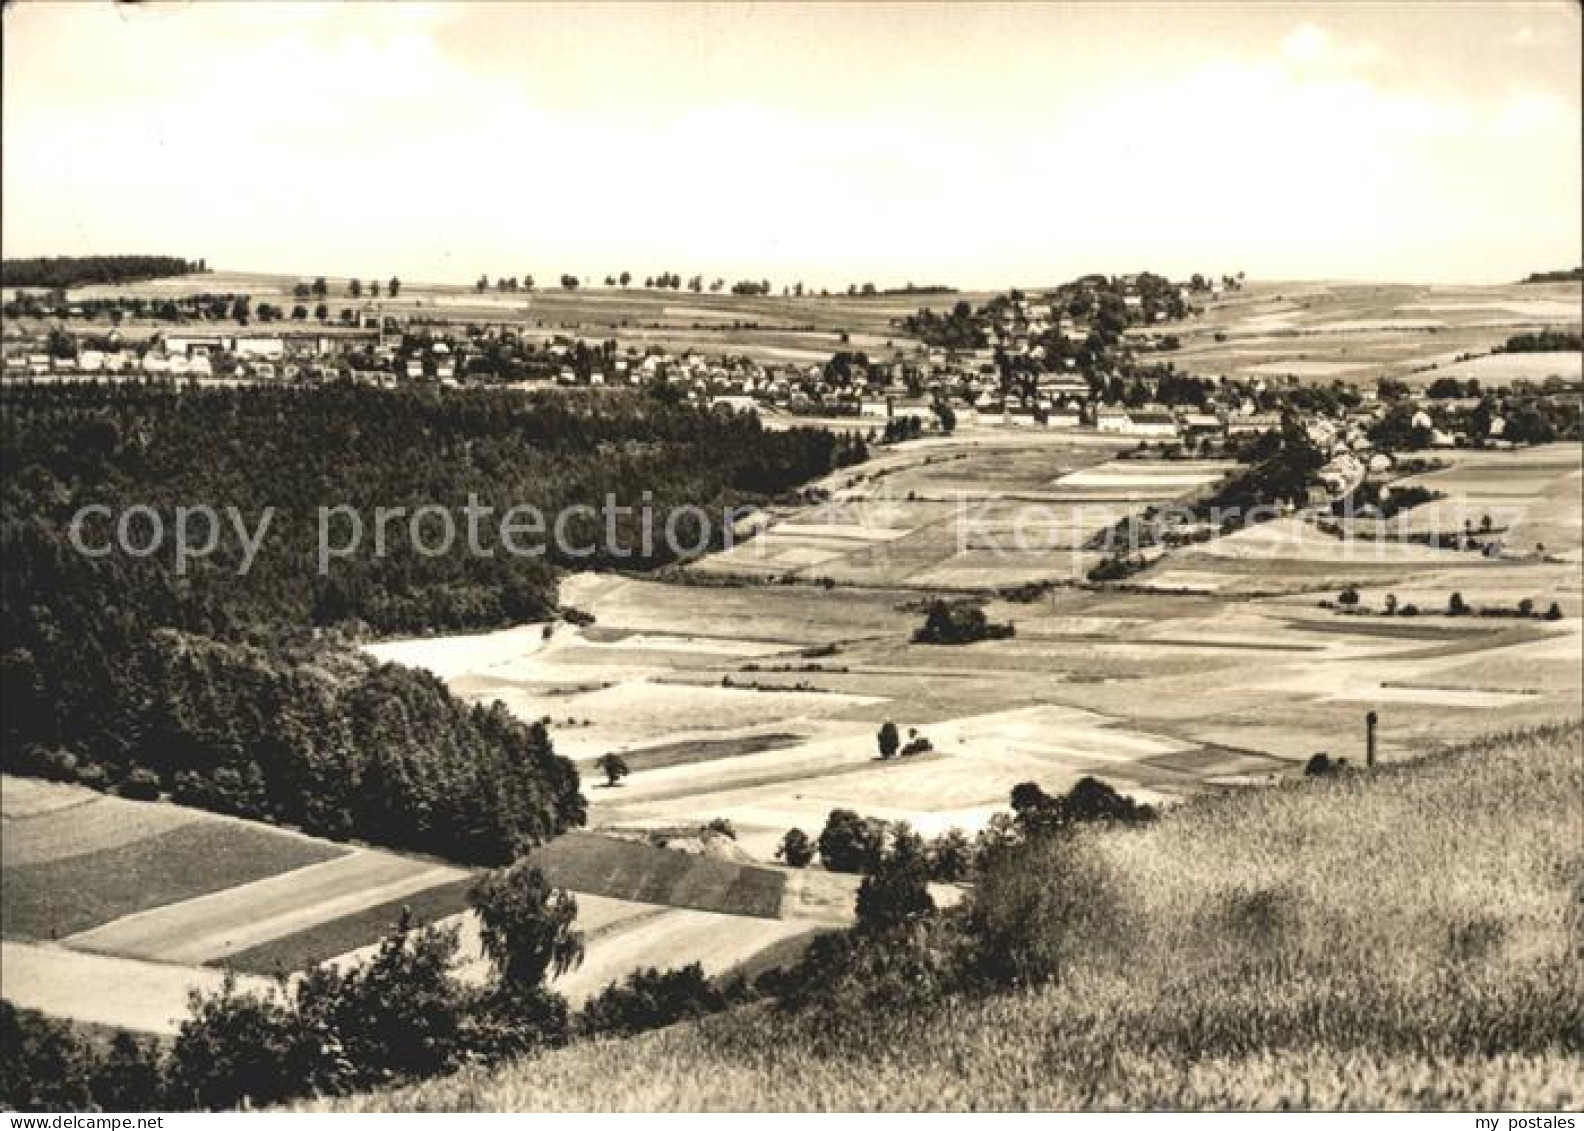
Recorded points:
61,271
244,693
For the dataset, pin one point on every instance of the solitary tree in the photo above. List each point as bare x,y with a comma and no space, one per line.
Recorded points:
1028,795
795,849
850,843
355,288
525,925
393,287
1348,597
614,767
626,277
888,739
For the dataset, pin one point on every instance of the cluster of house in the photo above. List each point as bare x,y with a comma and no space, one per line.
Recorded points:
262,355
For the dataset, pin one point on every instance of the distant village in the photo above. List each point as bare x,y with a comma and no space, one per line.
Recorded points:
1092,354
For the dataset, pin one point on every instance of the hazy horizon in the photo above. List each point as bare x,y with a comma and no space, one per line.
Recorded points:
974,146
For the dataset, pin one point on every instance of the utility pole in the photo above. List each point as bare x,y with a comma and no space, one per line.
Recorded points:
1369,737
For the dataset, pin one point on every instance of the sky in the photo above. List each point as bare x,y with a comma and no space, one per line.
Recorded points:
972,145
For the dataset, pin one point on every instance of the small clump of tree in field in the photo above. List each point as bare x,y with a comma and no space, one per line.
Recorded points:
958,622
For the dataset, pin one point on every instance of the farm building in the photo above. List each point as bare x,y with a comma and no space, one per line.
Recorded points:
735,403
1151,422
1196,425
1254,424
263,345
1112,419
189,345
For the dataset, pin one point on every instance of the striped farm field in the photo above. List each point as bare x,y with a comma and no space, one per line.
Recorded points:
346,933
629,870
193,859
247,915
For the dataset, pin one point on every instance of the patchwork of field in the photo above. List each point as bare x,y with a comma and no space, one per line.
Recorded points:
1359,332
1219,669
1533,497
966,513
115,910
769,328
1163,694
750,688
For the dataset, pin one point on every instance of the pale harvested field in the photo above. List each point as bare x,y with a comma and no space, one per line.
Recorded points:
21,798
149,997
1414,333
1304,368
1502,368
1292,538
479,653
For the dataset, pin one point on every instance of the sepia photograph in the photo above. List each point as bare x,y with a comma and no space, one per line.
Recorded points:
878,557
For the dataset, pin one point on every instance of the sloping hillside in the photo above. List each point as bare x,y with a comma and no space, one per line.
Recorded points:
1403,938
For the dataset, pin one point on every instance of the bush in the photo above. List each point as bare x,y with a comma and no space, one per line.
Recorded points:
614,767
950,857
795,849
45,1066
858,978
1036,909
1089,801
650,999
958,622
721,827
398,1017
141,785
896,891
1322,765
1115,568
238,1048
850,843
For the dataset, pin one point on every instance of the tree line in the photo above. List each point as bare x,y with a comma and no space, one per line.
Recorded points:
58,272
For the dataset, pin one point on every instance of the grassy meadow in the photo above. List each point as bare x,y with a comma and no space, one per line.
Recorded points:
1406,937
